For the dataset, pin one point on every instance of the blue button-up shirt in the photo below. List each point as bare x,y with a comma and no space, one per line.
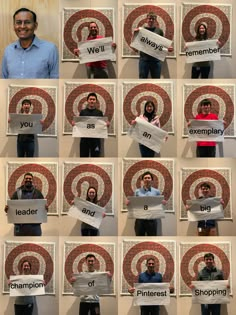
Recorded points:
39,61
146,277
142,192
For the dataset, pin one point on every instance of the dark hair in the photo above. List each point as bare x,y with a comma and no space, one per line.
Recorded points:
95,200
209,255
29,174
152,14
89,28
26,10
147,173
198,35
150,258
92,94
204,102
205,185
24,261
151,115
26,101
90,256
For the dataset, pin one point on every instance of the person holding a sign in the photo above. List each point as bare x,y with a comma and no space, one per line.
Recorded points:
206,227
147,227
149,276
148,63
150,116
29,57
96,69
89,304
205,148
25,142
210,272
91,147
27,191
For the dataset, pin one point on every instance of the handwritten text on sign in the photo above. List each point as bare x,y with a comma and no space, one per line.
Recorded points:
147,134
27,285
87,212
25,124
210,292
96,50
27,211
90,283
151,43
146,207
90,127
151,294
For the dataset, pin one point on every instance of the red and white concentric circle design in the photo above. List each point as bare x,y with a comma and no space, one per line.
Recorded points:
81,177
75,261
76,26
222,104
132,177
43,180
218,24
191,185
135,99
40,259
77,100
137,255
193,261
138,16
42,103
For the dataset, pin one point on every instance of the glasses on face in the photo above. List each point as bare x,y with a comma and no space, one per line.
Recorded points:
20,22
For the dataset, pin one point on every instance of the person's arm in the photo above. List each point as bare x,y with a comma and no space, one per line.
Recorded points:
54,63
4,67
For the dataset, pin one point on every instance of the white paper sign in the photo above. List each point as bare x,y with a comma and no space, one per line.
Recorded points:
151,43
210,292
27,211
87,212
25,124
151,294
27,285
205,209
96,50
146,207
90,127
91,283
206,130
204,50
147,134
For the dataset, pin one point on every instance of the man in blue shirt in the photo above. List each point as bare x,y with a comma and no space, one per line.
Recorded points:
29,57
149,276
142,226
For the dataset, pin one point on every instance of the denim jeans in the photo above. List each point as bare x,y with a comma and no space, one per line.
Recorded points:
150,310
152,66
145,151
90,147
210,309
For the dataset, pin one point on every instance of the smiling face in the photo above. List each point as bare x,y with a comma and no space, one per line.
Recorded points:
28,181
209,261
151,20
149,108
24,26
93,29
206,108
147,180
90,263
202,29
92,102
26,268
205,191
26,108
150,266
92,194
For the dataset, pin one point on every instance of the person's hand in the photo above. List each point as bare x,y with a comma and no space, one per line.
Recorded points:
133,122
76,52
6,208
9,120
72,202
185,47
9,282
222,201
103,214
41,121
113,45
192,286
131,290
72,279
188,124
228,285
187,207
108,123
109,274
73,123
172,289
170,49
127,202
219,43
164,202
46,207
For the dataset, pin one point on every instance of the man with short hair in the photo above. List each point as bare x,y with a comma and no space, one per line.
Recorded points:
149,276
29,57
91,147
149,63
27,191
210,272
142,226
